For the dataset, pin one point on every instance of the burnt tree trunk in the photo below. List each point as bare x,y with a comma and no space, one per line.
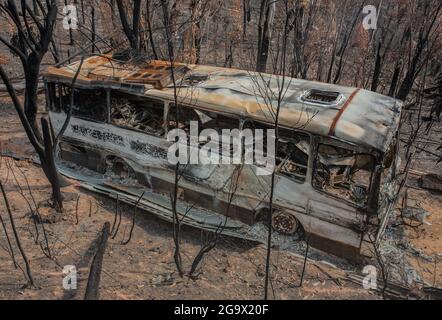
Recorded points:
132,33
32,74
266,16
417,62
31,50
395,79
344,46
48,164
377,69
247,16
93,29
149,26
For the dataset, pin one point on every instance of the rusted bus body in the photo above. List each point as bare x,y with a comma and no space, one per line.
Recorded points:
335,186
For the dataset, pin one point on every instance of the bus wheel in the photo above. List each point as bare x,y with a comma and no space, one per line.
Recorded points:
120,168
284,223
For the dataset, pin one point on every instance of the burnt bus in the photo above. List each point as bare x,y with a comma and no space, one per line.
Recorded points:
335,163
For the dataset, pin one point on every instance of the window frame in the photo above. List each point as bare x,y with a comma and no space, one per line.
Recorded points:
335,142
169,105
308,168
54,90
164,103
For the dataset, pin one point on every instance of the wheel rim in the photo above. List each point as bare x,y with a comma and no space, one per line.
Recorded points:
285,223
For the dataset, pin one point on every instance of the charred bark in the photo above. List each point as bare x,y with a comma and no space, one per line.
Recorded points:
267,13
31,49
149,26
174,195
344,46
417,62
132,32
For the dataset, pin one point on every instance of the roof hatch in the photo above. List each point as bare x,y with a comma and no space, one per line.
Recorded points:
322,97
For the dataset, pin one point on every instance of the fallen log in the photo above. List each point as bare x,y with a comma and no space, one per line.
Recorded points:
93,281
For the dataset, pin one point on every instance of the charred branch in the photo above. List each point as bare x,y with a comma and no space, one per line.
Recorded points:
17,238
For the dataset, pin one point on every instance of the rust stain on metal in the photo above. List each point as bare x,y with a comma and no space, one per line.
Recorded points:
98,59
340,112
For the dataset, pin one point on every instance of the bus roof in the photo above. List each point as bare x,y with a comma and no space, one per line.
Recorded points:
355,115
